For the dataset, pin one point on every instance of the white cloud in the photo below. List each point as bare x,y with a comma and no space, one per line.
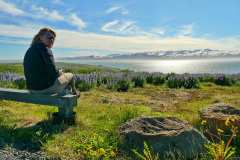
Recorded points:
80,40
14,42
17,31
112,9
38,12
159,31
77,21
41,12
186,30
10,8
124,12
119,9
120,27
71,39
57,1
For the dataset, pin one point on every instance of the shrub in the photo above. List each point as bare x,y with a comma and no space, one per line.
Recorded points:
149,79
123,85
169,75
158,80
99,82
147,154
191,82
175,82
108,82
186,82
105,80
138,81
224,80
223,149
20,83
83,86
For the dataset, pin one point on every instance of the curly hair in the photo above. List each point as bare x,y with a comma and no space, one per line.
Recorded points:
41,32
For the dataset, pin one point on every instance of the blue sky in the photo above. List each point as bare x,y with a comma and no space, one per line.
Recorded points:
126,26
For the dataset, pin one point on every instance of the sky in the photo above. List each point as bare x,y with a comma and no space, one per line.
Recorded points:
93,27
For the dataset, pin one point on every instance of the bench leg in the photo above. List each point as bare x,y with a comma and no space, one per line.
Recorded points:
66,108
64,115
65,112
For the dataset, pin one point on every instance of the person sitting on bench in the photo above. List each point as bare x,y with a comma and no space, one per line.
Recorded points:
39,67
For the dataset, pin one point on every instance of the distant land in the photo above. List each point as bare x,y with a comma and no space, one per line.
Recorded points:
198,53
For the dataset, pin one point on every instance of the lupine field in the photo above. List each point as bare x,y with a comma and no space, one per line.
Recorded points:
109,97
122,81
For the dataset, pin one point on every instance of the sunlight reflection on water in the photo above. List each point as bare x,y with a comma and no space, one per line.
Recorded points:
227,65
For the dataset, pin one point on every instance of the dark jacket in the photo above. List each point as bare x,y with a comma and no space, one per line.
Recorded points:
39,67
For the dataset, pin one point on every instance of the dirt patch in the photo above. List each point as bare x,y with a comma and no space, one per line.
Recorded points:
164,100
169,100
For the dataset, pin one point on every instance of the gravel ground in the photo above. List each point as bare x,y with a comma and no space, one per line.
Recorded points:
14,154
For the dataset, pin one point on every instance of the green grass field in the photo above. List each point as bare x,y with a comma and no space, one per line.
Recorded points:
75,68
99,113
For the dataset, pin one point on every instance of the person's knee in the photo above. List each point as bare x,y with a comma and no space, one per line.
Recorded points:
69,76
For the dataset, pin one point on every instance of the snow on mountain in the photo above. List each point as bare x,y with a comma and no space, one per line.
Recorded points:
197,53
181,53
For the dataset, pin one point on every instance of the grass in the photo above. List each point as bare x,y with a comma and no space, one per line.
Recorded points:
96,129
85,68
13,68
99,114
75,68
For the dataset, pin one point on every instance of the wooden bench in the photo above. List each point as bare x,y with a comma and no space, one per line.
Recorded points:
64,103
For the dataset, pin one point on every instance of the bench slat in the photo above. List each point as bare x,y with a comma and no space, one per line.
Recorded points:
26,96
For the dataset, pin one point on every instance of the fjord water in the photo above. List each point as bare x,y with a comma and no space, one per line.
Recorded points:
213,65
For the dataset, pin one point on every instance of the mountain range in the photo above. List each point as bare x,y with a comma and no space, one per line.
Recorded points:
198,53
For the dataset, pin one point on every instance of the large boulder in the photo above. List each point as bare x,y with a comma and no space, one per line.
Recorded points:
163,135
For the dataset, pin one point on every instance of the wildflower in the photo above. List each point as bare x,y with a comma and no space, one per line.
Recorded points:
220,130
233,119
227,122
113,154
101,152
203,122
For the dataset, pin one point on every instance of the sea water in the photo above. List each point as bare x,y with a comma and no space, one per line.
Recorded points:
213,65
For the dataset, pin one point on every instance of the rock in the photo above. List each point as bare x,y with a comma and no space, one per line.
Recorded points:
216,115
163,135
219,113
